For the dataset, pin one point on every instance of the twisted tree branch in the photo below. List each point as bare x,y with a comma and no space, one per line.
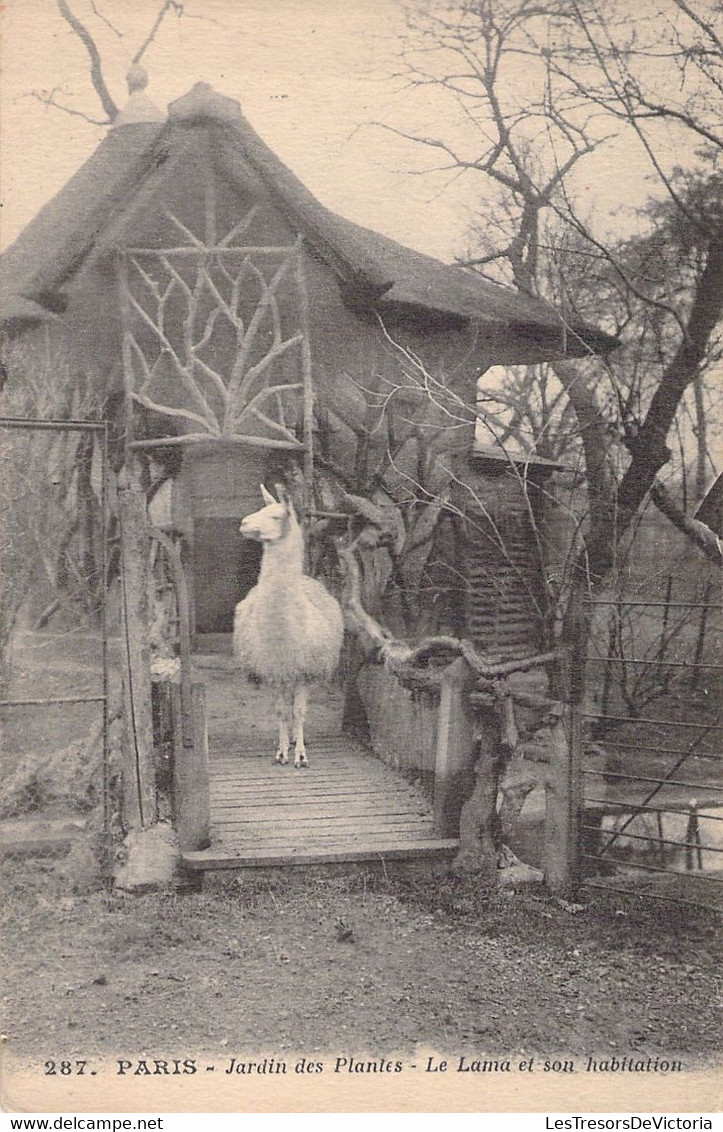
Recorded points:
704,538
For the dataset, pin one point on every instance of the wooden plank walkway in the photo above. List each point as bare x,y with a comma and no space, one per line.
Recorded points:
346,806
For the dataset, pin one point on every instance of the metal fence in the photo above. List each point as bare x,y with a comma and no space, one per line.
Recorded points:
652,803
35,509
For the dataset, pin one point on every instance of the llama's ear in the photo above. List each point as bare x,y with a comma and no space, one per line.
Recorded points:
266,495
286,499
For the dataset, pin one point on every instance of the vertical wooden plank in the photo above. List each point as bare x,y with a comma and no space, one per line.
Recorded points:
191,783
563,806
558,829
140,789
208,174
455,753
574,729
128,373
104,512
307,379
575,680
564,787
173,555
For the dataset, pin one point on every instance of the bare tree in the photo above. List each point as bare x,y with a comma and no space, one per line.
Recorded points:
542,87
85,30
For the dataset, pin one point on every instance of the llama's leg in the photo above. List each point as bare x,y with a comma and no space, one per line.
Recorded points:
283,711
301,702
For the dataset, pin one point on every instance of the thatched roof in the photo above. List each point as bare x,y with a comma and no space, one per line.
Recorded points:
374,272
56,241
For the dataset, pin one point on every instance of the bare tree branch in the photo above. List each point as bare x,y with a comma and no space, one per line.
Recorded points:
105,20
703,24
51,100
649,450
167,5
96,68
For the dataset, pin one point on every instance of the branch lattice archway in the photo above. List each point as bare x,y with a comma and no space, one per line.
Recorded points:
216,341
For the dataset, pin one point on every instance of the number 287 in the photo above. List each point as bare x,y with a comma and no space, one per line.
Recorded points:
65,1068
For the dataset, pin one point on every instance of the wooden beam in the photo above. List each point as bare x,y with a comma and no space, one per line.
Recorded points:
558,815
139,772
308,388
191,803
456,750
183,608
229,857
564,791
204,438
213,250
477,850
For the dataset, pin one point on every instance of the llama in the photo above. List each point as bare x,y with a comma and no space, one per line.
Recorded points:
288,630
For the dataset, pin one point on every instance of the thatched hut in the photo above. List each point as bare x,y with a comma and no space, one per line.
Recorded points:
230,318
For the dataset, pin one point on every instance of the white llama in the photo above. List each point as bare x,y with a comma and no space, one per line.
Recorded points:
288,631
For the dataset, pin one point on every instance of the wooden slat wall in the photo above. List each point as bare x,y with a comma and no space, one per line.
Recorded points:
505,595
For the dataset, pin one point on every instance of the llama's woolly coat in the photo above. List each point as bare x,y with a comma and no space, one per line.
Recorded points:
289,636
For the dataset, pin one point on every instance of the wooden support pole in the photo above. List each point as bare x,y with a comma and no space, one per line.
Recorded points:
456,750
308,383
465,781
564,791
183,606
477,850
577,802
559,832
139,772
191,784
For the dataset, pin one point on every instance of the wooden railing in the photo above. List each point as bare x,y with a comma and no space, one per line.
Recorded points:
475,737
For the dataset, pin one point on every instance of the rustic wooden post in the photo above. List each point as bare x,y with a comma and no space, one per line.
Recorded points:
576,787
564,792
183,605
559,835
191,789
477,851
700,643
139,776
455,753
563,811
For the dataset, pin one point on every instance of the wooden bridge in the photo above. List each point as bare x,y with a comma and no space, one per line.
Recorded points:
235,808
347,806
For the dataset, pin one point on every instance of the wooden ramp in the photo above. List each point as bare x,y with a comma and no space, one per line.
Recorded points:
347,806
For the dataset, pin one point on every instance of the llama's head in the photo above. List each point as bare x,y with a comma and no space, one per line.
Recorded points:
274,521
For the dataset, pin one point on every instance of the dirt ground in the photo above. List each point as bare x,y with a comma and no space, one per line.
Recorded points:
364,962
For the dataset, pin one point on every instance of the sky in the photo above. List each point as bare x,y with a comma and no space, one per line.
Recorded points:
312,76
308,73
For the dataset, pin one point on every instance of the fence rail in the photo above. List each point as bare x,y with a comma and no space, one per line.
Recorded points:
98,429
643,817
